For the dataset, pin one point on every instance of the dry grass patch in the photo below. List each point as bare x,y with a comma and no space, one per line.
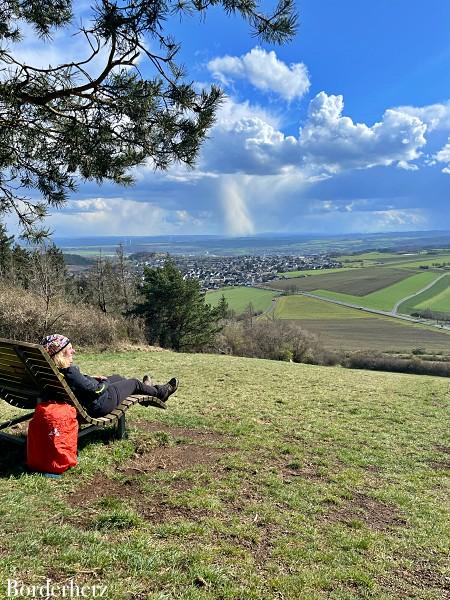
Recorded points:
105,493
371,512
423,576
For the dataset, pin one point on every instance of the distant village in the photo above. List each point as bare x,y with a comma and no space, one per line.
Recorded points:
215,272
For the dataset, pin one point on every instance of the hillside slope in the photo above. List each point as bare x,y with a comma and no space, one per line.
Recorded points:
262,480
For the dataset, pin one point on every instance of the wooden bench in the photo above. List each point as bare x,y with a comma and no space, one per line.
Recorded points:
28,376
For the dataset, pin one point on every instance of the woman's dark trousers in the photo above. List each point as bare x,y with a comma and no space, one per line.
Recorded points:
120,388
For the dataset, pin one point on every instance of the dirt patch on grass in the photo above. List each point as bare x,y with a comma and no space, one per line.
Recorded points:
103,493
306,471
405,583
372,468
440,465
444,449
174,458
95,498
261,547
182,432
373,513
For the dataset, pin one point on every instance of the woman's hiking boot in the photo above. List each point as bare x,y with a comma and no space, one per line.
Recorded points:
167,389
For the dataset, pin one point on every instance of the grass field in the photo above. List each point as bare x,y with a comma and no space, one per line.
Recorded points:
302,307
342,328
368,259
263,480
386,298
409,259
439,299
358,282
429,262
239,298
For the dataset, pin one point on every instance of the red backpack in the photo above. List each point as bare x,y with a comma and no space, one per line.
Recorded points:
52,438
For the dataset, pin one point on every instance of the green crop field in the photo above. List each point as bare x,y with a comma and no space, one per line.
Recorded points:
430,263
437,298
386,298
348,329
367,259
239,298
302,307
358,282
411,260
262,480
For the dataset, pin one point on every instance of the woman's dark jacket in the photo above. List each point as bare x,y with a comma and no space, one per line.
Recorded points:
88,390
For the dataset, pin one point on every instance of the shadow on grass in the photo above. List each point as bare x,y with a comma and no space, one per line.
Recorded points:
12,459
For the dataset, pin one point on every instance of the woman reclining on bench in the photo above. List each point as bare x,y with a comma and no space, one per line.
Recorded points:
100,395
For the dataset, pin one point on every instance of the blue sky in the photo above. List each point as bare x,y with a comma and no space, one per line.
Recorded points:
345,129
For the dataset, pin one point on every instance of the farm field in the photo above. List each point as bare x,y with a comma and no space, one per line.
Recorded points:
359,282
221,496
369,259
386,298
409,259
348,329
426,262
378,334
309,272
437,298
302,307
239,298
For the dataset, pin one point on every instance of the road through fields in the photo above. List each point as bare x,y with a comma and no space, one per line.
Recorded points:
363,308
427,287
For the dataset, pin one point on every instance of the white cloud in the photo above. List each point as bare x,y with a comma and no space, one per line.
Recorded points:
435,116
334,142
328,143
264,71
117,216
406,166
327,222
249,145
443,156
232,112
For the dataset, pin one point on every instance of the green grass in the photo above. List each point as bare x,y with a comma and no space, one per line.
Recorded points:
386,298
358,282
429,262
302,307
437,295
239,298
408,260
267,480
341,328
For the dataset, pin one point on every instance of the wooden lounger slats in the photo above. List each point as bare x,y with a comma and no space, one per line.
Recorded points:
29,376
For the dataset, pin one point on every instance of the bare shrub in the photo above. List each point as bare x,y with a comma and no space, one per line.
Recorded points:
275,340
25,316
377,362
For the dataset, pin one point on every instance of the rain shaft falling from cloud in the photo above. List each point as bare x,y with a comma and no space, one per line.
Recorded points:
237,219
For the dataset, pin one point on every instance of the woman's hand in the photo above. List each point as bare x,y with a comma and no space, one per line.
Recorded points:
100,377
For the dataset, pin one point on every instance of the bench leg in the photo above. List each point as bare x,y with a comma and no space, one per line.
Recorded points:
121,429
